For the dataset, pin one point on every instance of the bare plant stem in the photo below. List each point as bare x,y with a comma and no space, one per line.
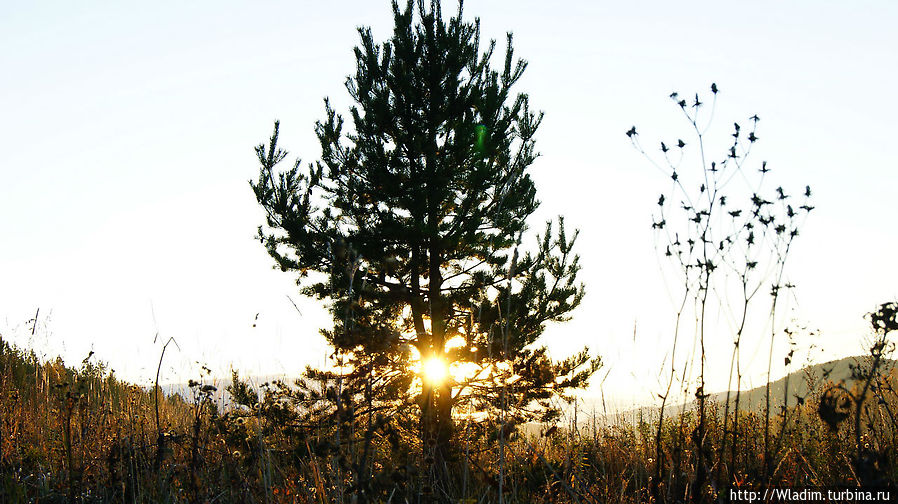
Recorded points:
775,292
160,437
734,366
659,449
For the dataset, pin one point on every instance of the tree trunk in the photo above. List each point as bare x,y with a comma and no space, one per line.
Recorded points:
443,425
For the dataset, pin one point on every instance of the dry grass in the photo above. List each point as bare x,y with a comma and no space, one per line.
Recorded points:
81,435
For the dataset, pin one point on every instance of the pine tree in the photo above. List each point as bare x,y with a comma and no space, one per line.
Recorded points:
411,226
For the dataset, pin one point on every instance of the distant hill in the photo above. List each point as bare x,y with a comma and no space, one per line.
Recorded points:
802,384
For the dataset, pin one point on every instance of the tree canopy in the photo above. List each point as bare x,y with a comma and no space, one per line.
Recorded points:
412,225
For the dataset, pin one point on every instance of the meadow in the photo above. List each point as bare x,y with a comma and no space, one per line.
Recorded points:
79,434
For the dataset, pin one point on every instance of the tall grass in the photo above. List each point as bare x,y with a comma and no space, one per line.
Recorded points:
82,435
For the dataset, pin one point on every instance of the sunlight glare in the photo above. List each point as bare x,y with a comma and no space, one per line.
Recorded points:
435,370
457,341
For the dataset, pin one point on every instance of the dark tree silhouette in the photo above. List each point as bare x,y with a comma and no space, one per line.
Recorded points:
413,221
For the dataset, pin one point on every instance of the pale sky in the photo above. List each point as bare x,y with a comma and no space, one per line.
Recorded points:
127,134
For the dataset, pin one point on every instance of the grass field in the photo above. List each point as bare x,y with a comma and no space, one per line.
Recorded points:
82,435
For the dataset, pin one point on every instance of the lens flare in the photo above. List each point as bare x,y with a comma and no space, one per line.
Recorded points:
481,131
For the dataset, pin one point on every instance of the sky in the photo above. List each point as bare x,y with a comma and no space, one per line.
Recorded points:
126,146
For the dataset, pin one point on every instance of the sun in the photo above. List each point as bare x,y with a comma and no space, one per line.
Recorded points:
435,370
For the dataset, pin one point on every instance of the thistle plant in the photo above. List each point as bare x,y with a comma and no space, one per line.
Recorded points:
884,321
727,236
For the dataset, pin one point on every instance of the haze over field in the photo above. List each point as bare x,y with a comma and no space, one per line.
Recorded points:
126,146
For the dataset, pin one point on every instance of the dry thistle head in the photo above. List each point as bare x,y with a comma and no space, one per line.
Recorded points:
835,406
885,318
